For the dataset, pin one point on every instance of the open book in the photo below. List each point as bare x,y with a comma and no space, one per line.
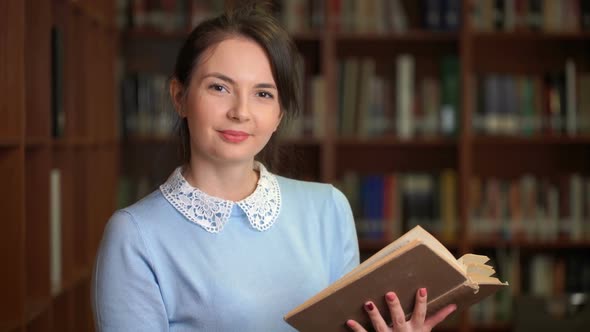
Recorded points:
417,259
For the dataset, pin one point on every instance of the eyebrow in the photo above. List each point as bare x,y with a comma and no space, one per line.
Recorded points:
232,82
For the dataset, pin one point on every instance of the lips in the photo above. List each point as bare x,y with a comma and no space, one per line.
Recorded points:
233,136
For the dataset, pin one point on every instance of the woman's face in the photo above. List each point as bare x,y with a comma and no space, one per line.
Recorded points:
232,106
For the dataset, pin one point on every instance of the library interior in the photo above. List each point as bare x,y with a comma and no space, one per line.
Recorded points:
470,118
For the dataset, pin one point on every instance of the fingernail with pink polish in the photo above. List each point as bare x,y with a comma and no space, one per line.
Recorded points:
369,306
422,292
390,296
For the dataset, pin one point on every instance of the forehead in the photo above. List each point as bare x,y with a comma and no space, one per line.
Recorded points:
236,55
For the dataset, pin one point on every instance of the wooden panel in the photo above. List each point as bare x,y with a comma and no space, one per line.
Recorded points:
79,205
102,200
136,161
155,55
38,68
93,183
92,78
98,112
63,313
12,238
69,21
299,162
82,74
380,159
386,49
524,54
37,165
41,323
112,84
83,320
512,160
12,72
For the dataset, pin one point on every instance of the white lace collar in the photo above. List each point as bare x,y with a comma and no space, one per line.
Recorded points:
262,207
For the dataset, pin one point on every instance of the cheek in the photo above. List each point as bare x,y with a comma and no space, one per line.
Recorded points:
200,110
270,122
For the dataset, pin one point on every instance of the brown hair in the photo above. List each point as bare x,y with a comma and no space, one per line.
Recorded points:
251,19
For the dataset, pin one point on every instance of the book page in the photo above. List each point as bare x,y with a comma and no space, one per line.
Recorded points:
482,280
473,259
479,269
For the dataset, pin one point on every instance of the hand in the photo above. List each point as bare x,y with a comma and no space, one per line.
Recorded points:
418,322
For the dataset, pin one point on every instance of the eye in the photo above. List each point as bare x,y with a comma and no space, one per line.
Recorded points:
217,87
265,94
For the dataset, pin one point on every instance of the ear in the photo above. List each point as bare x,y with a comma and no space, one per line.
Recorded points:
176,90
279,122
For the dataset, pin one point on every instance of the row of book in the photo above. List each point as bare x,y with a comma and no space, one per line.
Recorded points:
180,15
547,277
381,16
302,15
58,115
531,208
166,15
376,16
532,15
312,118
373,105
554,103
386,205
146,108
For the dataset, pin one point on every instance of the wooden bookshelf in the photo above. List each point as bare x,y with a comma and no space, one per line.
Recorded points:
30,152
468,152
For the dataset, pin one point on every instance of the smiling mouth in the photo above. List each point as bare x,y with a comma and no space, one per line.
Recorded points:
233,136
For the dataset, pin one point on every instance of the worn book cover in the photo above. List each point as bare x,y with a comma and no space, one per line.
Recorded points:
415,260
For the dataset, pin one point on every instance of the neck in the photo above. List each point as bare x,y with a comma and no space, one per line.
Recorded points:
232,182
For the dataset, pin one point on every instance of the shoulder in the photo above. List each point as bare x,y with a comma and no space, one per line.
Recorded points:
311,192
151,205
149,209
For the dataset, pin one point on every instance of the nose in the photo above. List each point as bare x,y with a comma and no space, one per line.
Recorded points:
239,110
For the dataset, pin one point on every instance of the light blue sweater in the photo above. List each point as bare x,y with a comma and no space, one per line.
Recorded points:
158,271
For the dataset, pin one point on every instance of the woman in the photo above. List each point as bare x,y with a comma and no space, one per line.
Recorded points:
224,244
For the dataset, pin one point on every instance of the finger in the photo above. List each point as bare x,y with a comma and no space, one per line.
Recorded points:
375,316
440,315
420,307
354,326
398,318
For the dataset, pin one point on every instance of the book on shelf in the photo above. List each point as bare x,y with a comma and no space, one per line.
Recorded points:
373,103
58,117
415,260
534,15
55,230
394,16
450,95
385,204
531,208
441,15
551,103
147,110
405,94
